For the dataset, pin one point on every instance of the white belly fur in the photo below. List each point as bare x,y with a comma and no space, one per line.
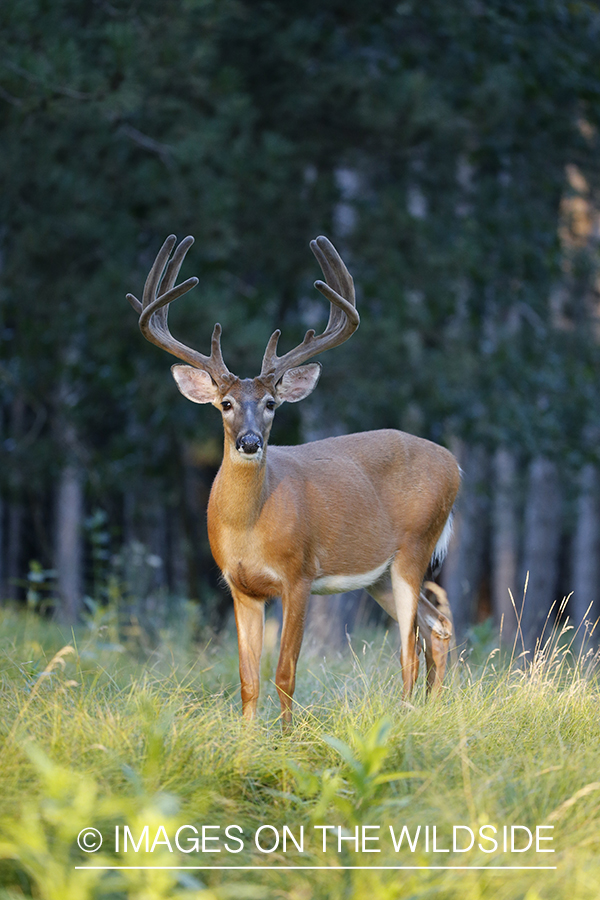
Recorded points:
337,584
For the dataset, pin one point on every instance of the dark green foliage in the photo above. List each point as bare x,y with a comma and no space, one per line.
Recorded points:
442,130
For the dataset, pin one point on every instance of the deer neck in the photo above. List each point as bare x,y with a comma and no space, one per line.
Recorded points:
240,488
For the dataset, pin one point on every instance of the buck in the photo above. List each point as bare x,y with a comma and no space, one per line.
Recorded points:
367,510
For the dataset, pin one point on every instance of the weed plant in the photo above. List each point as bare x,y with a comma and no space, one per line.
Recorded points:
95,736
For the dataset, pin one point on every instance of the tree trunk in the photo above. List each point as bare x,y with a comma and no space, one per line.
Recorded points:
195,479
331,618
585,562
2,556
464,568
14,541
505,542
176,571
69,504
69,542
14,547
541,542
324,628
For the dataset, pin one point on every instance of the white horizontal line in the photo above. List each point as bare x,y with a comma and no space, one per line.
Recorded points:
329,868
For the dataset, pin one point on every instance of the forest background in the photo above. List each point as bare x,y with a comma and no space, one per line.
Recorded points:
450,151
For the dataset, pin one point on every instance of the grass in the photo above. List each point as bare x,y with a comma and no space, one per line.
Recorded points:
97,733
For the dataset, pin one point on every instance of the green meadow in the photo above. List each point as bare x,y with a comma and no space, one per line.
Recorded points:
490,790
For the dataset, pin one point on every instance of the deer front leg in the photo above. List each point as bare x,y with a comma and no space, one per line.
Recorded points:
250,621
294,605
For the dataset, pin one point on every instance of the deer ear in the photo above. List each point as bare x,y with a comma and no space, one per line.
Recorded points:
195,384
298,383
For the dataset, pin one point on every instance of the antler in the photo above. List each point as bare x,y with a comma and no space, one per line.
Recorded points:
343,317
154,310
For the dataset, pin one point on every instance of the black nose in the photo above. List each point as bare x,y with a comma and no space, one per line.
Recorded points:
249,443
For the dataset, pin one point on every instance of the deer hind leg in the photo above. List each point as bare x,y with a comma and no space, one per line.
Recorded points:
292,631
250,621
406,587
435,632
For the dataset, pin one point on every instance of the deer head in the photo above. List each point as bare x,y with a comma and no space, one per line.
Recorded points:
247,405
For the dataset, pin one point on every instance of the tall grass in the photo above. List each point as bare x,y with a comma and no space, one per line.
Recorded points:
95,734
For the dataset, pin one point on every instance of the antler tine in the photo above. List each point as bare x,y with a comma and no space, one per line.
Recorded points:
175,263
343,321
153,310
156,272
153,277
339,286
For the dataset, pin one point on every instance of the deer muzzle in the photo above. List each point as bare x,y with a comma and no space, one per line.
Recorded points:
249,443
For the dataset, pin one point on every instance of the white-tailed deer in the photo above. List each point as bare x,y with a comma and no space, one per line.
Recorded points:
365,510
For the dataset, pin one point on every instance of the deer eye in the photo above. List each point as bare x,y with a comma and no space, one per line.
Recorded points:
226,404
270,404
